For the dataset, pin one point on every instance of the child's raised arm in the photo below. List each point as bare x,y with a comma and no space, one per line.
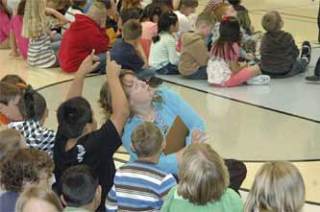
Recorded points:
89,64
119,102
57,15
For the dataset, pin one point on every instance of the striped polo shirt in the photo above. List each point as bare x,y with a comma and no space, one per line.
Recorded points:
40,52
139,186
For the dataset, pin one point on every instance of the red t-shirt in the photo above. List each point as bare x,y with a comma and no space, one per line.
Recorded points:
78,41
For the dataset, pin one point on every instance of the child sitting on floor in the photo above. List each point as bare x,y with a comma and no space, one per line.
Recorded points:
80,188
278,186
78,141
87,32
186,8
224,68
164,57
128,52
9,98
10,140
142,177
195,55
20,169
279,53
33,108
43,46
203,184
149,22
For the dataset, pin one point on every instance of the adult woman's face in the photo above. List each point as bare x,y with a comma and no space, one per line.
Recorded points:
138,91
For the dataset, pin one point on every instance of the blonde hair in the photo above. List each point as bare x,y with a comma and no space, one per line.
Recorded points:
147,139
220,10
38,193
203,175
35,21
278,187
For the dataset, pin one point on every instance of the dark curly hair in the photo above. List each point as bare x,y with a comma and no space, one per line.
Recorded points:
24,165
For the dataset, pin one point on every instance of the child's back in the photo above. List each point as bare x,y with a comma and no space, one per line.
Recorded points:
126,51
163,52
139,186
278,52
192,60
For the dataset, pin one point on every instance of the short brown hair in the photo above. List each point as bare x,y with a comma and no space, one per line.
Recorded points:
10,140
24,165
204,18
203,175
189,3
8,92
14,80
147,139
132,30
272,21
35,192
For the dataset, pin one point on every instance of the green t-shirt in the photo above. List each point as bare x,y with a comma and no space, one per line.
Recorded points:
230,201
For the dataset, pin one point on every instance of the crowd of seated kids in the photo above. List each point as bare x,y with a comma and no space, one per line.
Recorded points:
131,42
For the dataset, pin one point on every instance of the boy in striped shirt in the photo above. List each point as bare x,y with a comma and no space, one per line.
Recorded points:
140,185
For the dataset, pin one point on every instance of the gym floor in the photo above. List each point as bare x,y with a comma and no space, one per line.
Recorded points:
250,123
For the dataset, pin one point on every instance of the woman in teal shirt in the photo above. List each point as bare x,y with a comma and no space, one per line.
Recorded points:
161,106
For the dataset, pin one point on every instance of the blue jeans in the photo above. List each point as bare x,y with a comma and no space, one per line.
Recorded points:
200,74
168,70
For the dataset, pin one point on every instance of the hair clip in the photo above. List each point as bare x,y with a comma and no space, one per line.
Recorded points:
226,18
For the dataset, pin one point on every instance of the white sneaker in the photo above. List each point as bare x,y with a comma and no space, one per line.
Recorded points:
259,80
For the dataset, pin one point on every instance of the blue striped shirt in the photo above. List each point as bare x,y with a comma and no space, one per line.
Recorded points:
139,186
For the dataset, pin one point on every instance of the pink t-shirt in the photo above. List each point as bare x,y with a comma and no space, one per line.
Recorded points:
22,42
149,30
4,26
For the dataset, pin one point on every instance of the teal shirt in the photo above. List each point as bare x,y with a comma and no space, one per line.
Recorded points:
229,202
172,106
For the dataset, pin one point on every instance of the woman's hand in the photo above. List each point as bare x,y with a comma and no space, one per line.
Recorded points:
198,136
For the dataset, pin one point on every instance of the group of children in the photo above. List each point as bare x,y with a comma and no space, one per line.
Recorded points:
154,39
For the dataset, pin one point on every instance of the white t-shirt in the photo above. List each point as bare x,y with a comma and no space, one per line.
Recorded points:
185,24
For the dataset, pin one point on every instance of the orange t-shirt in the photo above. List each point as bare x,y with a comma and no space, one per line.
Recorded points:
3,119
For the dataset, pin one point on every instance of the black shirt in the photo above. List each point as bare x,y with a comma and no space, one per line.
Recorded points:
95,150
